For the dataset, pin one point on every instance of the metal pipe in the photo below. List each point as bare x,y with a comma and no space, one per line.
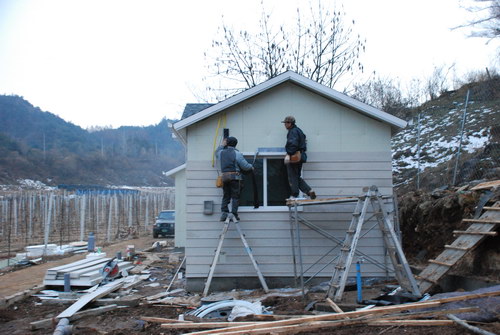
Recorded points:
461,137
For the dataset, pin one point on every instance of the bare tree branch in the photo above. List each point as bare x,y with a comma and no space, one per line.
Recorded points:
324,49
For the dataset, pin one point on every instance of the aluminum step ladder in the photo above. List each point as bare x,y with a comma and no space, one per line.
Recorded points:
401,267
231,218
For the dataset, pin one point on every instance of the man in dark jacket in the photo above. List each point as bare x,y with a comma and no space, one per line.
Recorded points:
296,141
232,163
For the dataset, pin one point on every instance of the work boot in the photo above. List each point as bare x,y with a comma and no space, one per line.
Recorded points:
312,194
223,216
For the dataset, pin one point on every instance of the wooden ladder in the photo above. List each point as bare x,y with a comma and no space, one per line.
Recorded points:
231,218
465,242
401,267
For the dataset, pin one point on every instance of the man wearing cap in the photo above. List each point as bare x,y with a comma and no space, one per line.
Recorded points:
296,141
232,163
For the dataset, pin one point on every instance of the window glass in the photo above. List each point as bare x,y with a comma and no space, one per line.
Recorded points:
246,198
277,183
277,188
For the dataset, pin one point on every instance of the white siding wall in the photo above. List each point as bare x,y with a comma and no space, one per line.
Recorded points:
347,151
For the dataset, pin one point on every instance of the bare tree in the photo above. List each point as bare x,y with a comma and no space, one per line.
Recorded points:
487,20
437,83
322,47
384,94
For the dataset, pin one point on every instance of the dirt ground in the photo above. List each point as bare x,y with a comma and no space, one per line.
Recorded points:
16,318
29,277
427,223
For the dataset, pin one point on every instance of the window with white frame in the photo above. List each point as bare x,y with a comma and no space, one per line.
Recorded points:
271,182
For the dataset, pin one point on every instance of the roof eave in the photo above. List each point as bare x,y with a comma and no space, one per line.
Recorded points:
327,92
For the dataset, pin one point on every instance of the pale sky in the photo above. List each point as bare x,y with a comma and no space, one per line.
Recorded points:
133,62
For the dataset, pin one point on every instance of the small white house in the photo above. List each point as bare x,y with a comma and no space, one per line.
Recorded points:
349,147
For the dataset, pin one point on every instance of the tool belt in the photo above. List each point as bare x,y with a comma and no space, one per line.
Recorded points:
228,176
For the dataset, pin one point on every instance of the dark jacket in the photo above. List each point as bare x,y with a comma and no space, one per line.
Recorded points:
295,141
231,160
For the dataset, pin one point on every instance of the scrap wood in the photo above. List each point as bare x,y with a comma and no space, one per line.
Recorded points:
7,301
292,329
164,294
163,320
270,317
203,325
133,281
410,323
176,272
288,329
489,184
138,269
430,313
335,307
184,301
354,314
468,326
100,292
46,323
129,300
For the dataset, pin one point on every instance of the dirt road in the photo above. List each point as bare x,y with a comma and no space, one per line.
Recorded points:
27,278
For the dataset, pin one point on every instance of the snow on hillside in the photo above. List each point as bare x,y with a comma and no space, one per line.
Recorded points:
440,124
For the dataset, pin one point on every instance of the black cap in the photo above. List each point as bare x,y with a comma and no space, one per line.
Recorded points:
231,141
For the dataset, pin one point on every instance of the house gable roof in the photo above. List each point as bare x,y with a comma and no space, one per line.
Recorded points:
192,109
299,80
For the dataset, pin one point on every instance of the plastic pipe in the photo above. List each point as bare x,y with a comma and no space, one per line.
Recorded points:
359,284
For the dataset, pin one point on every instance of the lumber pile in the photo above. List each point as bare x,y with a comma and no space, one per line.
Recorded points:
412,314
86,272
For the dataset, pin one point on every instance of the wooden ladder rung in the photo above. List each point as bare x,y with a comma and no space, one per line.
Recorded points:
426,279
491,208
465,232
440,263
481,221
456,247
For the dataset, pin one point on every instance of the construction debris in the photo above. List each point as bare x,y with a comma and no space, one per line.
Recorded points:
131,305
87,272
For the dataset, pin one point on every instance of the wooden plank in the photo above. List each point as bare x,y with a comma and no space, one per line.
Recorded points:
204,325
163,320
440,263
100,292
426,279
456,247
486,185
335,307
491,208
407,323
9,300
481,221
468,232
321,201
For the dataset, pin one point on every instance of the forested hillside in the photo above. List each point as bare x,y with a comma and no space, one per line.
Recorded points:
41,146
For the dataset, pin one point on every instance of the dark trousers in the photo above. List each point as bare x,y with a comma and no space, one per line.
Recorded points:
295,180
232,191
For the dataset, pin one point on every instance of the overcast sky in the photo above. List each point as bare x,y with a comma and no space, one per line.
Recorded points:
124,62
